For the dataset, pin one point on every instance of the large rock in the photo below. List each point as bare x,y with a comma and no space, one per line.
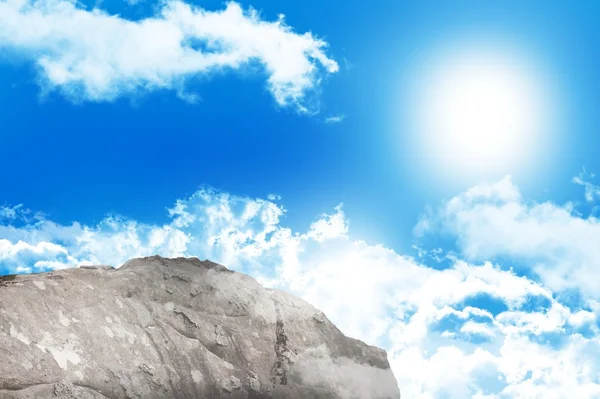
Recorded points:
174,328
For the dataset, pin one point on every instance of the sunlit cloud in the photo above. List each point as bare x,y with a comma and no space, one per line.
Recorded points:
96,56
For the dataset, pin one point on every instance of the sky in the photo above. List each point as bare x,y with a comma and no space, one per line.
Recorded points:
437,157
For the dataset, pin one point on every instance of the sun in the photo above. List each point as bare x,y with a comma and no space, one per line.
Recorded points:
478,114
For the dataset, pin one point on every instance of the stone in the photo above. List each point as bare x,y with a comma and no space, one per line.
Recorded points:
101,332
220,335
195,288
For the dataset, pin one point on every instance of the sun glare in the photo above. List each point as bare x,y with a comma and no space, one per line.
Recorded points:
478,114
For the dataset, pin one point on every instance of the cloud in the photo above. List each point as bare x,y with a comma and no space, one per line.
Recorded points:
94,56
494,221
315,367
335,118
464,328
9,212
592,191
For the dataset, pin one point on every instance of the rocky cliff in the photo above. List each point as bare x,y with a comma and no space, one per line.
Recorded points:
174,328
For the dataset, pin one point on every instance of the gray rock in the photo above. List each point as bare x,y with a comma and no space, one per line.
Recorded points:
175,328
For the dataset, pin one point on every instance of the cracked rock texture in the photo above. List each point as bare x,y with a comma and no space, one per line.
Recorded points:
174,328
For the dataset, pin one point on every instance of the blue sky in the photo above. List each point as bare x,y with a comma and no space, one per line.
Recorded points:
164,128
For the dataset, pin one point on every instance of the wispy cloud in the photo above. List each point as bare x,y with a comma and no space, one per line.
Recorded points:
94,56
10,212
592,191
335,118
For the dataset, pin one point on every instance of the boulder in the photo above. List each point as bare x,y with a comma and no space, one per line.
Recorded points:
175,328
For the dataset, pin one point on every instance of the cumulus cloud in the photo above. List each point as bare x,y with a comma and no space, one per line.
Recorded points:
493,221
92,55
470,327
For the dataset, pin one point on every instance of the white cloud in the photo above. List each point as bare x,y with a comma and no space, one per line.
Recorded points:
442,338
592,191
335,118
91,55
10,212
9,250
329,226
472,327
493,221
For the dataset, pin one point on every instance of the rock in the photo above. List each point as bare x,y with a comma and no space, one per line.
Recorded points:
253,381
232,384
195,288
220,336
175,328
319,317
97,267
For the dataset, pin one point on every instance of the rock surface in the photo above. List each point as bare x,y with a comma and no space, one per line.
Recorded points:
174,328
